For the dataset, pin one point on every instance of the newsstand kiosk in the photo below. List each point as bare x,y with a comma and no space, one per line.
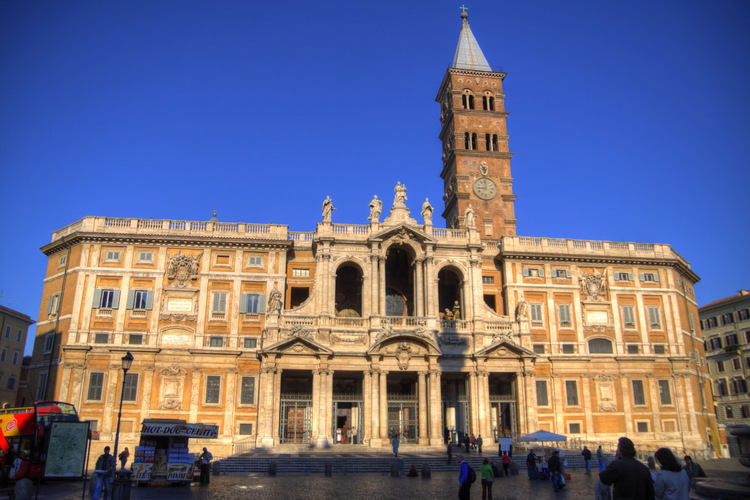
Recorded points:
163,457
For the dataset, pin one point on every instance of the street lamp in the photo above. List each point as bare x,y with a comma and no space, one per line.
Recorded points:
127,362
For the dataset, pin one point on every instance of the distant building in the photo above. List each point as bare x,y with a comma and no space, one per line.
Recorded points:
353,333
14,326
726,330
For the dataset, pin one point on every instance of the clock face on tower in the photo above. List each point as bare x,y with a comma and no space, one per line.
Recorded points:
485,189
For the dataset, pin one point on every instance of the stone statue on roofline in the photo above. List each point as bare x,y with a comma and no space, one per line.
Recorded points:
327,209
427,211
376,207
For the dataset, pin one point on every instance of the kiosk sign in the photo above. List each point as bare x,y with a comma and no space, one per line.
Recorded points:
179,472
186,430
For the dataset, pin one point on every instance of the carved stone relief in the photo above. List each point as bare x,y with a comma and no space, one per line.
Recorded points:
182,269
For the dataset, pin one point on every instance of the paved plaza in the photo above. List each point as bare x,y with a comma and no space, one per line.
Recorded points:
363,486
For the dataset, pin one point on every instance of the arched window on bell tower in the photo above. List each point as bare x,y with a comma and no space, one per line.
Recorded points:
488,102
490,142
470,141
467,100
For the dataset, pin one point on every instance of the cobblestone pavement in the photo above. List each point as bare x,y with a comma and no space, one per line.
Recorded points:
344,486
363,486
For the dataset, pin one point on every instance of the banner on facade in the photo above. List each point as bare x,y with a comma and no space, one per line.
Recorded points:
187,430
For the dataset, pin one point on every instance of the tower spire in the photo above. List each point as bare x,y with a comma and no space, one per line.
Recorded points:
468,54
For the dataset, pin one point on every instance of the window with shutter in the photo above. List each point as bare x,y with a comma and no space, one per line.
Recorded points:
654,316
96,384
628,315
564,314
542,399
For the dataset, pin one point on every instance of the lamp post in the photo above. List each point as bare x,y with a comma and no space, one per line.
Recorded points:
127,362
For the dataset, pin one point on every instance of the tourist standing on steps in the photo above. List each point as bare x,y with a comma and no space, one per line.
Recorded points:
205,460
629,477
587,458
479,444
395,443
467,443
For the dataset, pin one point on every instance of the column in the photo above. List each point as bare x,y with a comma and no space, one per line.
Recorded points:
374,302
420,287
230,403
528,389
431,282
474,402
680,394
276,407
485,423
436,408
317,407
381,295
626,407
195,394
374,431
384,406
423,439
326,389
266,406
148,374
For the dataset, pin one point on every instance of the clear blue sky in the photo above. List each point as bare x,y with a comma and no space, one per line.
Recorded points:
629,121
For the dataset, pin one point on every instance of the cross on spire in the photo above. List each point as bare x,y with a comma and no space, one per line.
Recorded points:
464,9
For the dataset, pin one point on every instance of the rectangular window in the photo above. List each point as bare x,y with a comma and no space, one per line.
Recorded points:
41,387
252,303
53,306
711,322
49,342
536,313
569,348
721,387
639,396
250,342
571,392
731,339
130,393
632,348
223,260
62,261
106,299
96,385
563,311
112,256
219,303
246,429
745,411
736,364
714,343
649,277
135,339
16,356
719,366
727,318
654,316
628,316
624,276
561,273
488,280
728,412
145,257
254,261
533,272
542,399
301,273
665,395
7,331
574,428
691,322
247,391
101,338
11,382
19,336
641,426
539,348
140,300
743,314
216,341
213,389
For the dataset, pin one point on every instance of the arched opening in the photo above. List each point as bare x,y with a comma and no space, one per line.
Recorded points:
600,346
449,293
399,283
349,291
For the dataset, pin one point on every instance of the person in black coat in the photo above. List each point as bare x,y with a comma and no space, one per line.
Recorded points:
629,477
555,468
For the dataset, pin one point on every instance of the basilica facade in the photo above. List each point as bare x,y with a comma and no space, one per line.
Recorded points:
354,333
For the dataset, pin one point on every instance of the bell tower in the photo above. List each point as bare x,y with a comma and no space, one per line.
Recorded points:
476,160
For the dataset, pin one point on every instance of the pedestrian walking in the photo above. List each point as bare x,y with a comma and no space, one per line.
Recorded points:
395,443
600,458
466,476
488,477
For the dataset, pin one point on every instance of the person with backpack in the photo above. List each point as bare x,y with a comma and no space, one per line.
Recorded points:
488,477
105,470
466,476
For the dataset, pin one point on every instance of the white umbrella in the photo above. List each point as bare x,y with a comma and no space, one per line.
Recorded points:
542,436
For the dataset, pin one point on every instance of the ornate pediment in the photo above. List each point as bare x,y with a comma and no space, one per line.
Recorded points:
402,233
503,346
298,341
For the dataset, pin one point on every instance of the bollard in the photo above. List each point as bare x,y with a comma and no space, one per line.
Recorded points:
272,468
394,468
216,468
121,485
329,470
426,471
651,463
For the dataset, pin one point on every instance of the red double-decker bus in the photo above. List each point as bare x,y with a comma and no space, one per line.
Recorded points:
23,435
